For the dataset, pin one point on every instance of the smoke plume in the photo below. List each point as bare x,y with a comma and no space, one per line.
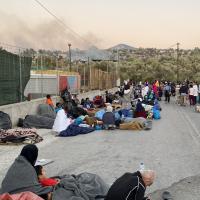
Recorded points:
48,35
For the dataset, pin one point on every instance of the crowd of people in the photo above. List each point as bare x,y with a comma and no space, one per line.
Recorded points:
188,92
130,104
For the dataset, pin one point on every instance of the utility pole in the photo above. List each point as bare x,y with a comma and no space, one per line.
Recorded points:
57,78
20,76
107,85
42,88
84,77
177,62
89,67
70,58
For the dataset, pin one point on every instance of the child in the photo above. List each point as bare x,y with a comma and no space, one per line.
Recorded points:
58,107
49,100
43,179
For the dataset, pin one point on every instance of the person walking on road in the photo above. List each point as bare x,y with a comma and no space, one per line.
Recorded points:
195,90
183,92
191,95
167,92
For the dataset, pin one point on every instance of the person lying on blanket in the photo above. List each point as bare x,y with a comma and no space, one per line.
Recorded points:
43,179
21,176
131,186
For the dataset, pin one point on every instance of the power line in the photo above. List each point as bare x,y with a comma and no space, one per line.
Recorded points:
172,46
62,23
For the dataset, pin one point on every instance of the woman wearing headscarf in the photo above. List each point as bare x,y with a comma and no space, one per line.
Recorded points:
140,111
22,177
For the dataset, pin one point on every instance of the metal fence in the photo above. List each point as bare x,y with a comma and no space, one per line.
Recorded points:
16,64
14,75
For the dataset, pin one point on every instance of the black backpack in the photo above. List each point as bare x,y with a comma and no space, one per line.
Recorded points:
5,121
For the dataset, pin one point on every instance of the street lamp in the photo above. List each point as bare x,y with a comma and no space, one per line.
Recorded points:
70,59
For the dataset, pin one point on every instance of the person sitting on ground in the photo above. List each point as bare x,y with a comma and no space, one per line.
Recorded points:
58,107
62,121
49,101
157,105
131,186
75,100
21,176
98,101
109,118
140,111
66,96
82,102
108,97
150,97
43,179
88,104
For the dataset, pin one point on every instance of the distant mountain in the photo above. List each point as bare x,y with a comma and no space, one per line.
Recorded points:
122,47
92,53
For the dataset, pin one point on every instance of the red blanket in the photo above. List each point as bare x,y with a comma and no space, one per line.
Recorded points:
20,196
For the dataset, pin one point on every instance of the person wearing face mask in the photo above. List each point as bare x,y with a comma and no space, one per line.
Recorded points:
22,177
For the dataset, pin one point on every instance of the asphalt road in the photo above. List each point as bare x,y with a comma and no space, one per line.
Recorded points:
171,148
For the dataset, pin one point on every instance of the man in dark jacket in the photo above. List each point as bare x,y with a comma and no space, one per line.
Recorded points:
131,186
183,93
109,118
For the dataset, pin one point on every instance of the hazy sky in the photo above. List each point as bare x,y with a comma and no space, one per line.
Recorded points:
140,23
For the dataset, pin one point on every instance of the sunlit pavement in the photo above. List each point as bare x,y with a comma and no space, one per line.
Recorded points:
171,148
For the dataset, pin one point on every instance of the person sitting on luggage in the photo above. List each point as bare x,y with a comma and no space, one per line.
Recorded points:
43,179
109,118
131,186
49,100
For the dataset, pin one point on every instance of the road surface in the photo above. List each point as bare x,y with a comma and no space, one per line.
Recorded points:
171,148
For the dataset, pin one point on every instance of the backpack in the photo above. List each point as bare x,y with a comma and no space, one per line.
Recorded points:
156,114
5,121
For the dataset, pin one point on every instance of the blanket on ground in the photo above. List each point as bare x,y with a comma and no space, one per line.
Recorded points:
74,130
134,125
19,135
22,177
85,186
20,196
46,111
139,123
37,121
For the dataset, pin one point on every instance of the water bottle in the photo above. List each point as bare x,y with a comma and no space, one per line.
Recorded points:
142,168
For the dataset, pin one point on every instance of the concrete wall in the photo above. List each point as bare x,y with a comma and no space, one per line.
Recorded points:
20,110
